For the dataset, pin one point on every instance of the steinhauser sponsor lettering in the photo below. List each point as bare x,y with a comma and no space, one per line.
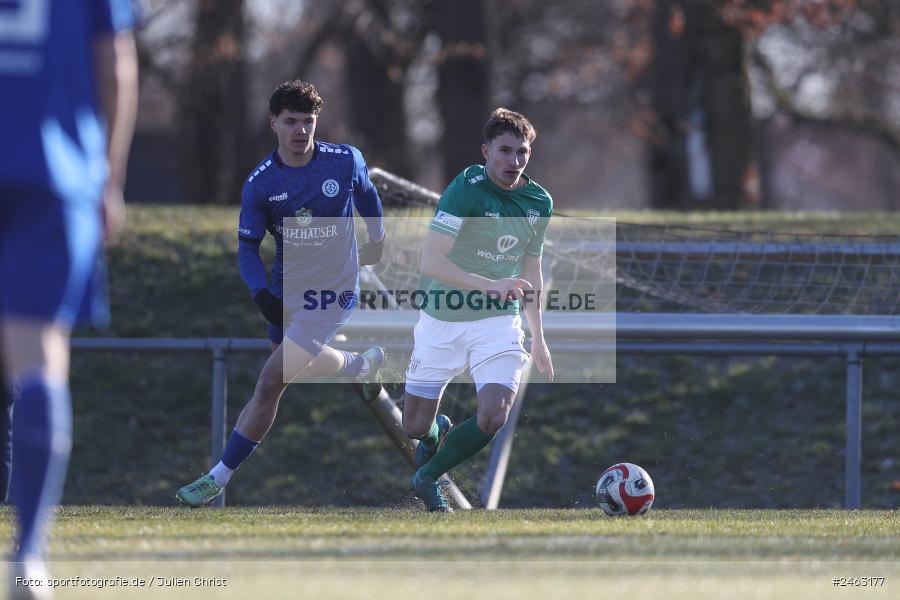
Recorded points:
307,233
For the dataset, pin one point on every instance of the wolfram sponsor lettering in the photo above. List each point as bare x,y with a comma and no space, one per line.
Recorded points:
447,220
498,257
278,197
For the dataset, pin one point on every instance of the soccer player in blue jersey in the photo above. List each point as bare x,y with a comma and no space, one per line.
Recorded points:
68,75
302,194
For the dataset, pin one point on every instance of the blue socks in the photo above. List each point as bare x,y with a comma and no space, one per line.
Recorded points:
237,450
353,364
42,441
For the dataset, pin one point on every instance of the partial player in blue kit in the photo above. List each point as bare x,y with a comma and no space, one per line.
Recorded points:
68,75
303,194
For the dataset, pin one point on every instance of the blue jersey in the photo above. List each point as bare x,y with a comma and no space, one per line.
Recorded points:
310,208
53,137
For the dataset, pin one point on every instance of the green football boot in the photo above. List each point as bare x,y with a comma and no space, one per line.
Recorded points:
423,452
431,493
200,493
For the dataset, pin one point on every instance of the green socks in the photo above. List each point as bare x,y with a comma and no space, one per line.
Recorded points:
461,443
431,438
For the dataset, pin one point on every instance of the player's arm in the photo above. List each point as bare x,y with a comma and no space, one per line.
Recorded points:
117,76
368,205
533,309
251,231
437,265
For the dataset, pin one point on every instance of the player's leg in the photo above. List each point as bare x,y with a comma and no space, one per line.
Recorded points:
421,422
330,361
36,354
438,356
498,360
339,363
301,343
59,239
252,424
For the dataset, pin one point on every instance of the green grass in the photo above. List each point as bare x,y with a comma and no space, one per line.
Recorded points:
536,553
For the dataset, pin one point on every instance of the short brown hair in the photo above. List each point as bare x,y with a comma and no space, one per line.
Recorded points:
296,96
503,121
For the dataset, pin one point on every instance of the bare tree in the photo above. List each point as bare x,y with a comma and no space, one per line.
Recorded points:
464,71
212,104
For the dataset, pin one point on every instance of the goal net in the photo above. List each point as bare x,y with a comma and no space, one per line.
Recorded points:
674,268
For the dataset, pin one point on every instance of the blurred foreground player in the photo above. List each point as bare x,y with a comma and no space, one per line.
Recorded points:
68,75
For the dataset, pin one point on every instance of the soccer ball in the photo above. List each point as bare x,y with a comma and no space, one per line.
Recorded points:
625,489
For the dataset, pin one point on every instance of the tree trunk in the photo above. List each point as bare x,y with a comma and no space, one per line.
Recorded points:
213,105
377,117
671,81
463,80
701,96
718,54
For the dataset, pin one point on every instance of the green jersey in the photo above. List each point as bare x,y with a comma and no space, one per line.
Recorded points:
494,229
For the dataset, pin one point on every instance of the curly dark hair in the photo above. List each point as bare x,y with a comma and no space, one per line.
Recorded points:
296,96
503,121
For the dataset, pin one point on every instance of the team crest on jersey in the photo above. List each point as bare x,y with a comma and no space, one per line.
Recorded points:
330,188
506,243
303,216
533,216
413,365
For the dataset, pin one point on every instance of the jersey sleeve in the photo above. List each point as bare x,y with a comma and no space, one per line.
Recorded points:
452,209
365,197
535,246
252,222
251,266
111,16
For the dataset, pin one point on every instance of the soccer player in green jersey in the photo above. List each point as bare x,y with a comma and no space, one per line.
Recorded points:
482,260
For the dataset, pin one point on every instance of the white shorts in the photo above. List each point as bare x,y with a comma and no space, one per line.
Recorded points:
492,348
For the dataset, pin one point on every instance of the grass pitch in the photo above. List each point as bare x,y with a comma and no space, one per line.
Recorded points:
288,552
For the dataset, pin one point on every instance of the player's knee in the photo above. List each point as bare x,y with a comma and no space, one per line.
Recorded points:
490,424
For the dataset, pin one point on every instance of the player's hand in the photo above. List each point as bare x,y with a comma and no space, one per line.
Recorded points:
370,252
540,353
113,212
510,288
271,306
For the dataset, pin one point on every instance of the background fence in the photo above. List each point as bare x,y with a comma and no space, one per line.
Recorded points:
850,337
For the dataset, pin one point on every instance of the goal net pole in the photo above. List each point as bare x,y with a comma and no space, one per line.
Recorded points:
389,417
501,449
